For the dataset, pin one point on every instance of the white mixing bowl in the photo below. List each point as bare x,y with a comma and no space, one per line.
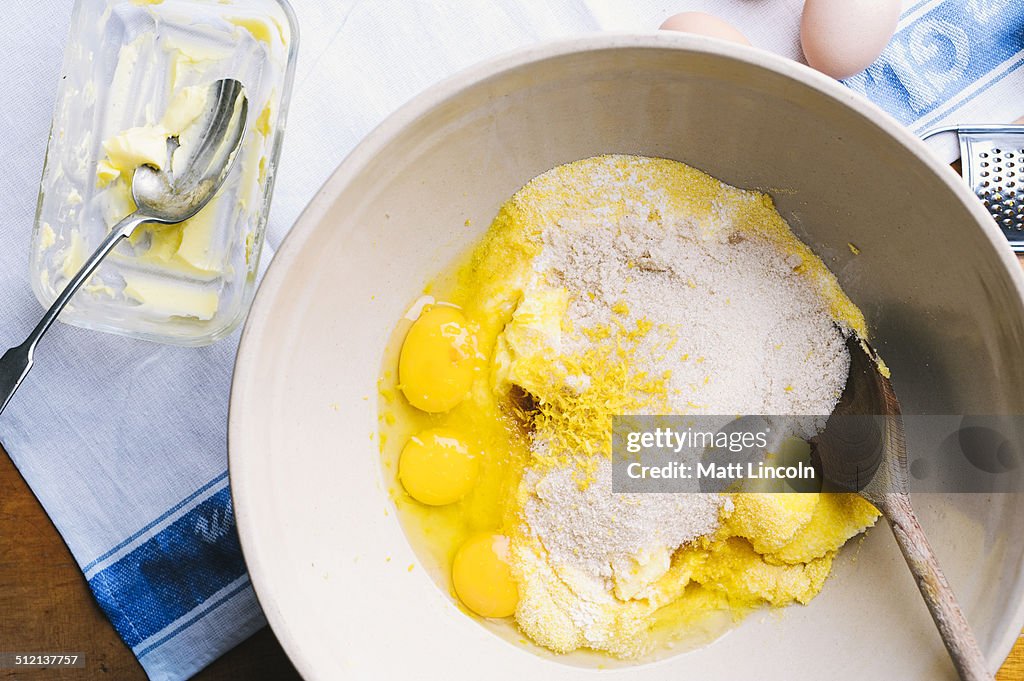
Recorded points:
940,289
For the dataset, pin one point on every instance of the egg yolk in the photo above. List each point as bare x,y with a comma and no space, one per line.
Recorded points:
482,577
435,367
437,467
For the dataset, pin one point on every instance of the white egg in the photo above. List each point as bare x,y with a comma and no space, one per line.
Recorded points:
703,24
842,37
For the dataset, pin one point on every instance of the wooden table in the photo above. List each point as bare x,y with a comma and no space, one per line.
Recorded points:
45,605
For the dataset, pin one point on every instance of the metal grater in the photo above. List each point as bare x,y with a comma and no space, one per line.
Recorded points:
992,162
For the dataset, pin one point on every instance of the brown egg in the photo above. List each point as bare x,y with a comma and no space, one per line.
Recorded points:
841,38
703,24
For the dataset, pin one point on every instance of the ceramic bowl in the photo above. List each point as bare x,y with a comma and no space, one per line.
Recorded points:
942,293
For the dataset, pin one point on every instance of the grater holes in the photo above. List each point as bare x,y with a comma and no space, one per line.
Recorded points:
995,168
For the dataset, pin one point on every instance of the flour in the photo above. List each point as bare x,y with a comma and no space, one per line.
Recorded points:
740,331
609,536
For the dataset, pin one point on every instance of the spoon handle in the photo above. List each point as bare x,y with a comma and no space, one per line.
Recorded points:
949,618
16,362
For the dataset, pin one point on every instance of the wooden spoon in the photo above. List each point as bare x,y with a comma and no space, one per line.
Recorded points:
862,450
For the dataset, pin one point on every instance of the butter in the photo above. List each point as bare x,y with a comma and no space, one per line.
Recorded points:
187,105
186,248
250,242
533,331
159,295
74,256
108,124
248,194
133,148
106,172
263,125
261,29
148,145
100,290
632,576
47,238
189,63
192,248
196,239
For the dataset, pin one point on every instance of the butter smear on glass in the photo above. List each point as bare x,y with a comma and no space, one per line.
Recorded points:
135,75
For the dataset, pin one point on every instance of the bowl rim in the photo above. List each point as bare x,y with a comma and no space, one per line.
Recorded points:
365,151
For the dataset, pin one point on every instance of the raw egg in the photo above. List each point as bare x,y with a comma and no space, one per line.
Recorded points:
436,365
482,577
704,24
437,467
841,38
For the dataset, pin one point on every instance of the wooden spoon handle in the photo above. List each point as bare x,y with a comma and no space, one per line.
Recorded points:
945,610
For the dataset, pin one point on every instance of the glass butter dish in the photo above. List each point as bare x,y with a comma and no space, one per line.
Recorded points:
134,74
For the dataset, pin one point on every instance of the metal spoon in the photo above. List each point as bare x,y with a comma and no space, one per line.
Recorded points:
164,197
863,450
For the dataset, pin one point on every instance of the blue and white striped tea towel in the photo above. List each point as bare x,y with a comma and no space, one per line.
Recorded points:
124,441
